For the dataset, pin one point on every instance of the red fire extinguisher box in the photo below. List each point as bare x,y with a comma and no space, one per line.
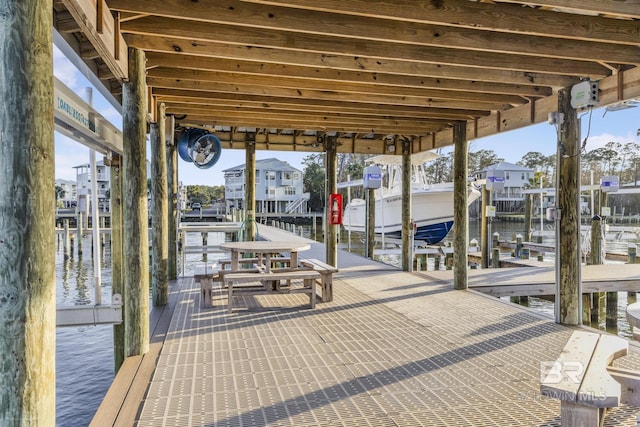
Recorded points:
335,209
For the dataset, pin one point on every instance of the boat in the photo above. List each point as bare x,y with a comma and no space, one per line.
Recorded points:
431,204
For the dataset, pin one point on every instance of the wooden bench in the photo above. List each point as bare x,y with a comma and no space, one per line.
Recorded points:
232,279
326,276
225,263
205,276
580,380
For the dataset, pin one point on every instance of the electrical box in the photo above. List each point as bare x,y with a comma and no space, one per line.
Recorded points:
495,180
605,211
609,184
584,94
372,177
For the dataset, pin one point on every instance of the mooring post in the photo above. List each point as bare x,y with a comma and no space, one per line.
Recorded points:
250,187
135,209
631,252
612,309
484,229
66,240
528,208
79,232
27,209
495,258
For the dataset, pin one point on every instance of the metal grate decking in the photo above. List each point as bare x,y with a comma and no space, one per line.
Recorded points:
392,349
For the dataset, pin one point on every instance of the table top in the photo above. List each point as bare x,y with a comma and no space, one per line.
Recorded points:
265,246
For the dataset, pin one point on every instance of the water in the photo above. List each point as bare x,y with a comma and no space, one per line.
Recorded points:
84,355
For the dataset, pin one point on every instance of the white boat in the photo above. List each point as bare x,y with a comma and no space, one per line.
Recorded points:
431,204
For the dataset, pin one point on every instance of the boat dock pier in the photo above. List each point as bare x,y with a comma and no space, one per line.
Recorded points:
393,348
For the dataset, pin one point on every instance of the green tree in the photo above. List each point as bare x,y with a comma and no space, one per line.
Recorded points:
314,181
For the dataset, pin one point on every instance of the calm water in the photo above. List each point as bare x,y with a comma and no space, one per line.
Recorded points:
84,355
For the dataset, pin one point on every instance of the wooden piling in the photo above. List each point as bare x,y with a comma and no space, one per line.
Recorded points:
27,209
117,250
172,203
371,221
331,232
495,257
79,232
250,190
460,208
484,229
407,218
66,240
528,208
612,309
135,210
160,212
568,173
595,306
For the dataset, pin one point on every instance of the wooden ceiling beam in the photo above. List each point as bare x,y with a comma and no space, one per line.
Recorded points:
365,109
335,117
317,125
404,55
240,90
439,42
622,8
179,64
354,89
334,66
420,19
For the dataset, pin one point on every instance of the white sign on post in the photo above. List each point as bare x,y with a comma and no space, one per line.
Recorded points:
490,212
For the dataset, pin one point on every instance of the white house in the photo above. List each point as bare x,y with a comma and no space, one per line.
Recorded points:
516,179
279,187
70,196
83,179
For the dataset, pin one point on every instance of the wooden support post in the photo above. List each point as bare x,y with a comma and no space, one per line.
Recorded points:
66,240
612,309
250,190
528,209
79,232
460,208
568,227
27,209
371,221
331,235
172,202
160,211
495,258
117,249
484,229
135,210
205,243
596,253
407,216
586,309
595,307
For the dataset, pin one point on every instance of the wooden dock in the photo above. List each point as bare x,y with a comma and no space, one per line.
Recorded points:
392,349
540,280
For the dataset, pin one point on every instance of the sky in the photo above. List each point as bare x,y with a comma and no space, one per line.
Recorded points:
620,126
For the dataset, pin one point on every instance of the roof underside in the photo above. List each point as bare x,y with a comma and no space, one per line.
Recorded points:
292,74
